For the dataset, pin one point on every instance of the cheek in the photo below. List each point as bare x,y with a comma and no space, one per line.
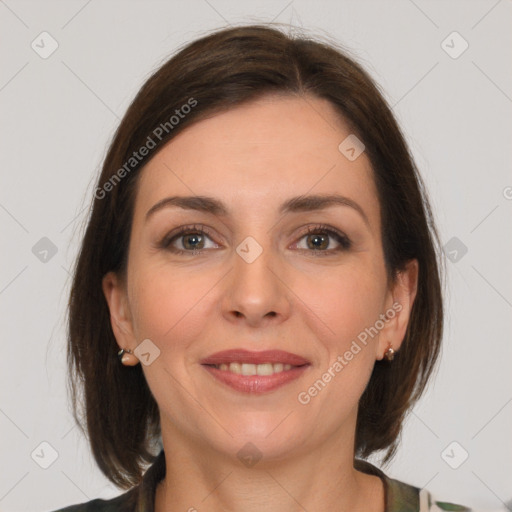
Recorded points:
170,306
345,300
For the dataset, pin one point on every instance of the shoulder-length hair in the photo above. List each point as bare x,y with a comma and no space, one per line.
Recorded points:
218,72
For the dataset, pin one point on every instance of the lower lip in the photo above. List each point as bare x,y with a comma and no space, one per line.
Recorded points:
256,383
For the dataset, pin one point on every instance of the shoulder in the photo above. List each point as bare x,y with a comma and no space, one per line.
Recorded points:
123,503
404,497
140,497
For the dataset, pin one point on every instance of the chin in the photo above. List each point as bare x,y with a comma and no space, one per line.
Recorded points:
263,435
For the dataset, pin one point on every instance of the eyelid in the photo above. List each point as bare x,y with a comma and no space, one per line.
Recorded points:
166,241
343,240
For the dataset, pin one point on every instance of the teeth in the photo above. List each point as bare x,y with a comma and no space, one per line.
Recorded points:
249,369
235,368
265,369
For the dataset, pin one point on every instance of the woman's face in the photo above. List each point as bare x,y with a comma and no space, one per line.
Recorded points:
281,251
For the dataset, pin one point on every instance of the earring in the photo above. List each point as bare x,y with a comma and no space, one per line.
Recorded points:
126,357
390,353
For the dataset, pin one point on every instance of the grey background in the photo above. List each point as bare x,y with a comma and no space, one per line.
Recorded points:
59,114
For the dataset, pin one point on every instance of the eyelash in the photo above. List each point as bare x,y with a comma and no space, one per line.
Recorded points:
324,229
320,229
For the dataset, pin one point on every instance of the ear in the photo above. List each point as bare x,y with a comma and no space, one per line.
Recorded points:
399,305
120,315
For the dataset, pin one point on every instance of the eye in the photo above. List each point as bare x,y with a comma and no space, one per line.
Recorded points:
323,239
188,239
320,239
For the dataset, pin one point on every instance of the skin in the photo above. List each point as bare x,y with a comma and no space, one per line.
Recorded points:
253,158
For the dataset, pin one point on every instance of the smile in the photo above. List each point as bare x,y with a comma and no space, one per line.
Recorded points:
254,369
255,372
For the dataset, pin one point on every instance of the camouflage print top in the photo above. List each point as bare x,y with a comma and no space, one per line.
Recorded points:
399,496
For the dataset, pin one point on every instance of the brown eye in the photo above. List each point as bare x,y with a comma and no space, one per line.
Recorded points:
317,241
323,240
192,241
188,240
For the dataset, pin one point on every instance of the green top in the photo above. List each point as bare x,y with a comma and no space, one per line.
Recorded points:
399,496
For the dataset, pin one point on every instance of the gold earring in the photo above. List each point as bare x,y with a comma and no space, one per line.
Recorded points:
127,358
390,353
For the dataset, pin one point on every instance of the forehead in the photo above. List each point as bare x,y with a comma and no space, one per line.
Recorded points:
260,153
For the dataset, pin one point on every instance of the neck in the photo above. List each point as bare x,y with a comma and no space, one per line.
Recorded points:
198,478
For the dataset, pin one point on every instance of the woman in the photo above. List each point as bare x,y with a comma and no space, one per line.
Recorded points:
257,302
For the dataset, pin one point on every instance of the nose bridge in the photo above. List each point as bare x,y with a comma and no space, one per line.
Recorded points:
255,290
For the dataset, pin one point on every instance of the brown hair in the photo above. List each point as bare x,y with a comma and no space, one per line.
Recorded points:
215,73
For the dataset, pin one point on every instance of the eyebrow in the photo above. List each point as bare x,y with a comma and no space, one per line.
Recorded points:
295,204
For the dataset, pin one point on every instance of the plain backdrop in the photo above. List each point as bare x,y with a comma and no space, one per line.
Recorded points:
445,67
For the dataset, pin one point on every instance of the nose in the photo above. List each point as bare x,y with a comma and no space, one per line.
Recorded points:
256,293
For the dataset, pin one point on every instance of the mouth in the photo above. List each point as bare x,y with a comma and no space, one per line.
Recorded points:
249,369
255,372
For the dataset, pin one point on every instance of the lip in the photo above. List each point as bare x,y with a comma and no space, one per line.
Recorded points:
261,357
255,384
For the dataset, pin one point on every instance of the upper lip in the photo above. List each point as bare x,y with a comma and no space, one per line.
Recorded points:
239,355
